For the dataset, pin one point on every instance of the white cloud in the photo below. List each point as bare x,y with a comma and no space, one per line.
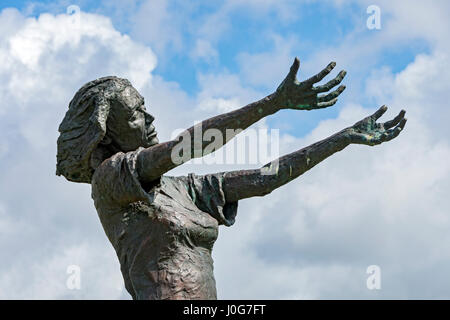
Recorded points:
45,60
312,238
315,237
204,50
216,24
385,205
268,68
47,278
158,25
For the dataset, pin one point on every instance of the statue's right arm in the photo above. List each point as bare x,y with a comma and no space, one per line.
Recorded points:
291,94
158,159
259,182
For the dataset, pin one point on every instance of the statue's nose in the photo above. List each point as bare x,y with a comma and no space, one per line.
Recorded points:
149,118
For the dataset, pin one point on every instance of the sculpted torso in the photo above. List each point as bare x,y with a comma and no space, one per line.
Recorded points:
163,228
165,252
164,235
164,247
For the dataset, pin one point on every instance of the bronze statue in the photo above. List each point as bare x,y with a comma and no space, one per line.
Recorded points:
163,228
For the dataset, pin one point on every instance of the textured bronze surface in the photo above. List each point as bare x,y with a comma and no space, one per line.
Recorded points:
163,228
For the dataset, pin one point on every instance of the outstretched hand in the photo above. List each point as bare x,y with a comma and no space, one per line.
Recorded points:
297,95
369,132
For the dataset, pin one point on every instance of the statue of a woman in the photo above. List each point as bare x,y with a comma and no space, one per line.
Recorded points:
163,228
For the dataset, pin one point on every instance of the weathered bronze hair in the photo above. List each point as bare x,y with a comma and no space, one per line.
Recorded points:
84,126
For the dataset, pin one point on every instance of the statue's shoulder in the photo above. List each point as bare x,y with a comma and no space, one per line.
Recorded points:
116,179
108,166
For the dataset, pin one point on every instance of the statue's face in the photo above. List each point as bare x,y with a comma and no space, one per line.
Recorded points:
128,124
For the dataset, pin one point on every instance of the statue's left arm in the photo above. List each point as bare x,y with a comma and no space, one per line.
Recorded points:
291,94
259,182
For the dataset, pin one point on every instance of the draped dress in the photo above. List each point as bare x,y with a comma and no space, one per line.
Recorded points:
163,233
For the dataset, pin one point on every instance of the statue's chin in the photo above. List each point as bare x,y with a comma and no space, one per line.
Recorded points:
153,141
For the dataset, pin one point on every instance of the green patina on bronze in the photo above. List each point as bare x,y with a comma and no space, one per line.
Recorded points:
298,106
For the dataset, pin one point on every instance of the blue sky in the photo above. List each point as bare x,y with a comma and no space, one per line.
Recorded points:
311,26
312,238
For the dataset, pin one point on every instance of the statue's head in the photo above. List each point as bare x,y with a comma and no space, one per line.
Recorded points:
105,116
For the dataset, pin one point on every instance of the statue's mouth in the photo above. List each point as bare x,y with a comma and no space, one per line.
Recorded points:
151,135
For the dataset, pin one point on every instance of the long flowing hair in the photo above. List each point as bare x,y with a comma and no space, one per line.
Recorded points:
84,127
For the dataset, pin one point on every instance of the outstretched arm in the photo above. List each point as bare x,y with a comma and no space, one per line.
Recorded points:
291,94
259,182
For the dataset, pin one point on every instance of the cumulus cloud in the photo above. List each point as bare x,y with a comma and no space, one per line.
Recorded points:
312,238
274,62
158,26
386,205
205,51
315,237
44,61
